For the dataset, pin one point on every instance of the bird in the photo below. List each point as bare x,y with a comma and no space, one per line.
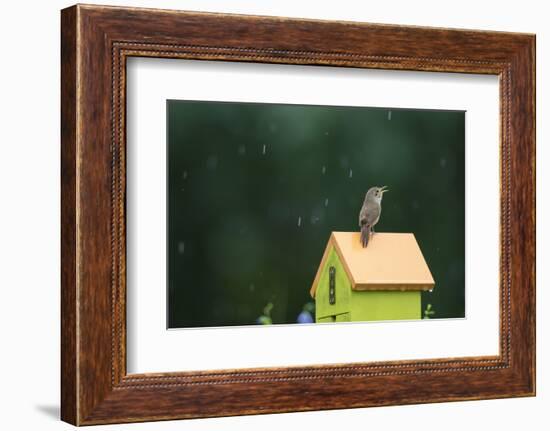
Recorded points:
370,212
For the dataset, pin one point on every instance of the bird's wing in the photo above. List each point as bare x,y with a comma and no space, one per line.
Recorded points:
372,213
363,215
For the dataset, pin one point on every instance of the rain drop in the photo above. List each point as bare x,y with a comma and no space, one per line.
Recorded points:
184,175
323,170
212,163
430,291
299,221
326,202
443,162
263,150
181,247
350,173
344,162
389,115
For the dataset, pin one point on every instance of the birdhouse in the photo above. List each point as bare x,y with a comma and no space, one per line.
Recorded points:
382,281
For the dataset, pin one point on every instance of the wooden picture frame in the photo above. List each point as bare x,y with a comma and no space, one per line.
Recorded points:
95,43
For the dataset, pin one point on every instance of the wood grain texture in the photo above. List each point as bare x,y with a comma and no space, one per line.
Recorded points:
69,366
96,41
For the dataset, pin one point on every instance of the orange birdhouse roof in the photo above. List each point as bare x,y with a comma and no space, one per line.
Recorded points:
391,261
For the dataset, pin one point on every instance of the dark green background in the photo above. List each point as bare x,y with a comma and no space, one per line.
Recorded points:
254,191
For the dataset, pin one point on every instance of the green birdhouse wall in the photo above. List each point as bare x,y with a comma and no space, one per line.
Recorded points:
382,281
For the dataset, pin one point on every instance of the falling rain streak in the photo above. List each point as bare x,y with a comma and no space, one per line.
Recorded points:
263,149
389,115
181,247
212,163
350,173
299,221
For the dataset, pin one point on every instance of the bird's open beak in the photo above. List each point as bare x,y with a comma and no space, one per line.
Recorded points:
384,189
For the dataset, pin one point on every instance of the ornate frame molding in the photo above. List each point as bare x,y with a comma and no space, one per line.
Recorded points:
96,41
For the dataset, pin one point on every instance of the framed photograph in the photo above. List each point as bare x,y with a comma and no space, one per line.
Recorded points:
331,214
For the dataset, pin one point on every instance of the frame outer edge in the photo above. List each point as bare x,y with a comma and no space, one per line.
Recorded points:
531,64
523,217
89,395
69,196
532,82
533,54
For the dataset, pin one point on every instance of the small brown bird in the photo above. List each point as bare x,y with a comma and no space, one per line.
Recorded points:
370,212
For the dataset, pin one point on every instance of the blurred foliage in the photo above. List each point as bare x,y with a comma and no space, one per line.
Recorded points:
254,191
429,312
265,319
307,315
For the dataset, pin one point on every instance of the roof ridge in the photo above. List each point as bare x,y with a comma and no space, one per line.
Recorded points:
391,261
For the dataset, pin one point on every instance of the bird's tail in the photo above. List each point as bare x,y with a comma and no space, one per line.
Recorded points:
365,233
